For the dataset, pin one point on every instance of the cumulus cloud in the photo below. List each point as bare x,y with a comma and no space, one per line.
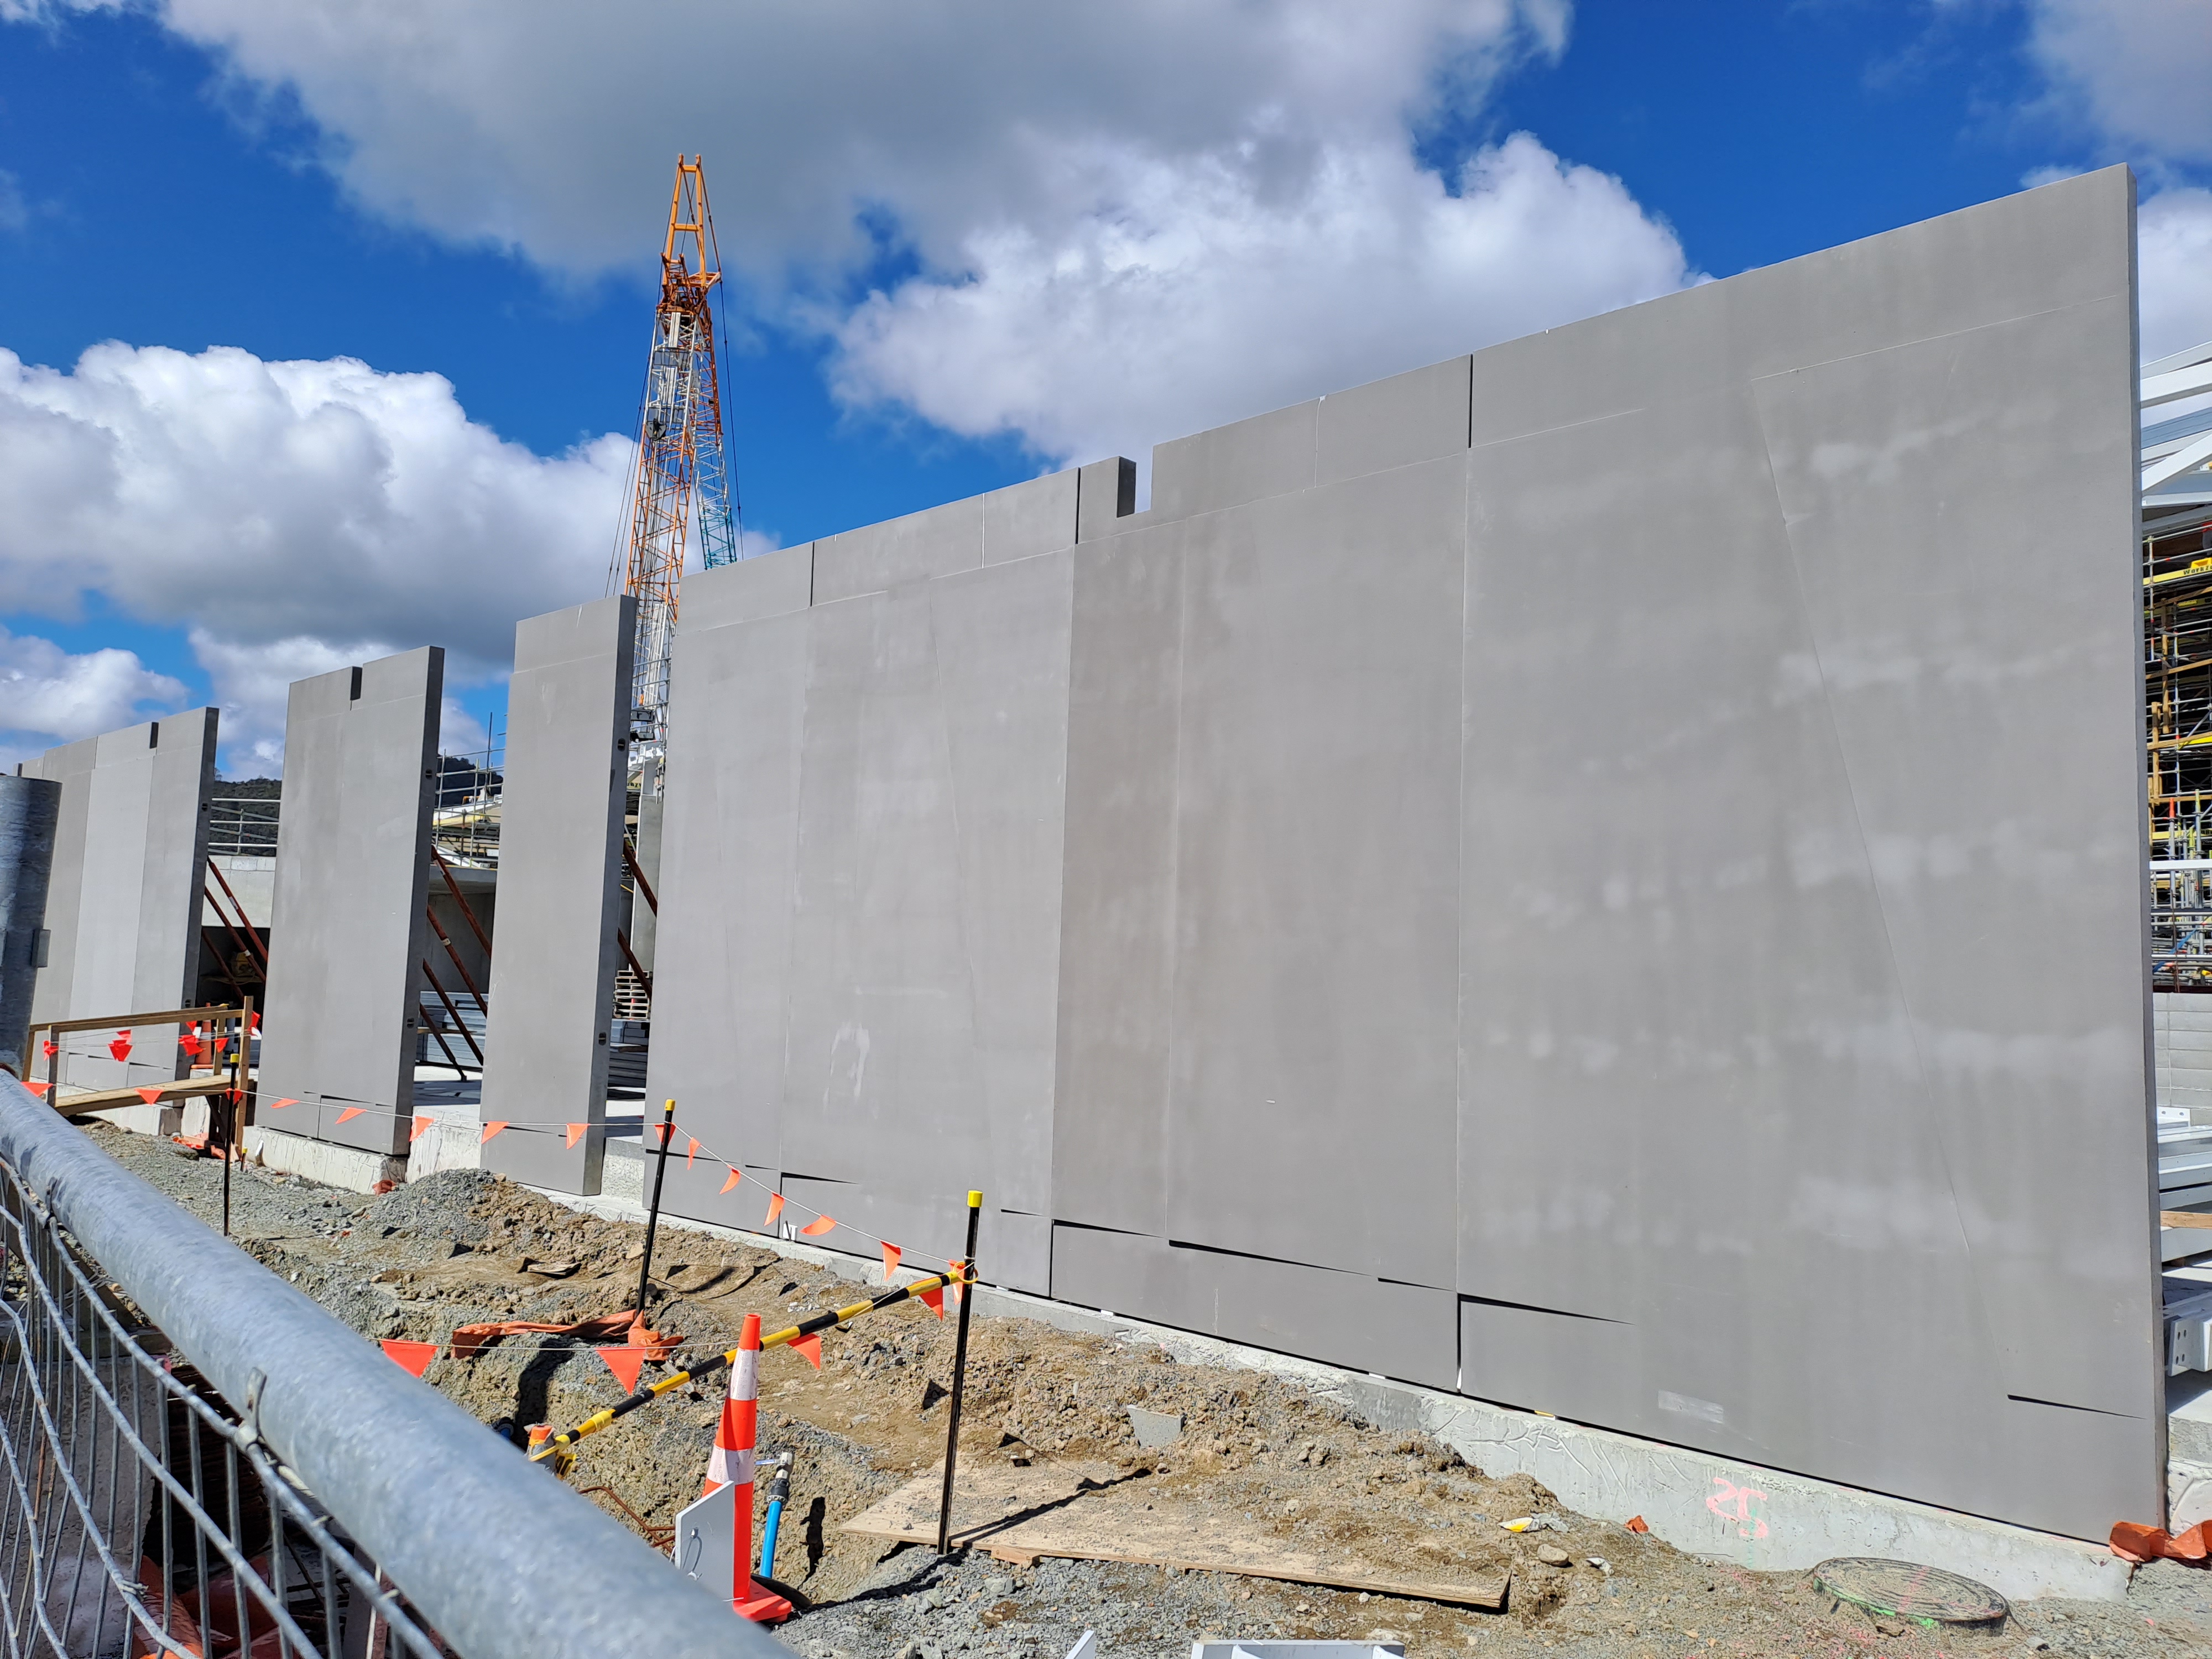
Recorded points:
2135,71
1199,299
1100,208
2173,233
49,695
294,516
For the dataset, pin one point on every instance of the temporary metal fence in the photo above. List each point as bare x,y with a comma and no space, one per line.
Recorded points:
196,1460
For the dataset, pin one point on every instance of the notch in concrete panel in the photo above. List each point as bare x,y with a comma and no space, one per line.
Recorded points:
936,543
1420,416
1038,516
766,585
1105,493
353,687
1270,455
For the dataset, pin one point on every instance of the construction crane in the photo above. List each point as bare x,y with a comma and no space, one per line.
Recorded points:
680,488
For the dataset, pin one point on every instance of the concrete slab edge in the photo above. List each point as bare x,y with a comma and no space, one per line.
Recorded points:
352,1168
1760,1519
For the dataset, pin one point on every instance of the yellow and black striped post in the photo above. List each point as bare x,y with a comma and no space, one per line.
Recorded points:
959,1376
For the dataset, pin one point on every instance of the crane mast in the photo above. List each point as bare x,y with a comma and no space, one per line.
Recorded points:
680,491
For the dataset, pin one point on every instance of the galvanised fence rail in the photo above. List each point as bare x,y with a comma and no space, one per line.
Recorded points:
196,1460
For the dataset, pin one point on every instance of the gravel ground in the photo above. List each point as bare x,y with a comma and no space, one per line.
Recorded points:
463,1247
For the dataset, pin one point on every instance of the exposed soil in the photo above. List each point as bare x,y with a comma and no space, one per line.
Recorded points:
465,1247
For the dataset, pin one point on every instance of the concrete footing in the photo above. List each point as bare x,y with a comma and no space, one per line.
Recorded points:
353,1168
1760,1519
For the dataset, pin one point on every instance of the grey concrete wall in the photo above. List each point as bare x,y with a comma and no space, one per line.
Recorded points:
903,691
70,766
348,934
553,972
1487,879
130,858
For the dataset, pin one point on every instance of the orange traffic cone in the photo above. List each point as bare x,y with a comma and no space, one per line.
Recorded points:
730,1466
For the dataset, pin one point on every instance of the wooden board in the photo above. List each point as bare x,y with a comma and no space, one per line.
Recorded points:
1086,1513
99,1100
2184,1219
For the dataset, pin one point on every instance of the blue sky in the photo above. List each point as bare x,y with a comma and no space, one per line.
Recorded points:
1074,242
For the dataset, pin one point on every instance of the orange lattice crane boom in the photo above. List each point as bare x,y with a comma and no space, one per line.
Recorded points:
681,493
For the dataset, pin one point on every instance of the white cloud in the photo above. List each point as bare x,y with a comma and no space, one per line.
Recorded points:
2135,70
2173,236
49,695
1198,299
1117,171
295,516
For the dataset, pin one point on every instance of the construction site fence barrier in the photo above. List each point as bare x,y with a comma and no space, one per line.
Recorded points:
197,1460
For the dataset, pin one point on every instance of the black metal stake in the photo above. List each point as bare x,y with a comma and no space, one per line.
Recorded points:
652,1215
959,1377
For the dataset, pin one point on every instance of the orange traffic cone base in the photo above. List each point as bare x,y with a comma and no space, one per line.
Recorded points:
765,1607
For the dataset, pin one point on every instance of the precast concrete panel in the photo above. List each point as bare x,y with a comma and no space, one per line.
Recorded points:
70,766
1777,1138
349,931
1317,814
729,840
141,871
1118,887
560,878
926,938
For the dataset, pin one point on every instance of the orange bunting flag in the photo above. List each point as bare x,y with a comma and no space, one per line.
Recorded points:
933,1299
422,1125
238,1094
47,1048
819,1226
351,1111
257,1021
811,1347
35,1085
734,1179
413,1357
149,1096
959,1273
190,1043
493,1128
279,1105
774,1209
891,1254
576,1132
625,1362
120,1048
690,1152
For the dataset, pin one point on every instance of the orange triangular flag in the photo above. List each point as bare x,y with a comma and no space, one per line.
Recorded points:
933,1298
811,1347
690,1152
421,1124
351,1111
576,1132
121,1046
819,1226
279,1105
491,1129
959,1273
35,1085
625,1362
413,1357
47,1048
774,1209
149,1096
734,1179
891,1254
